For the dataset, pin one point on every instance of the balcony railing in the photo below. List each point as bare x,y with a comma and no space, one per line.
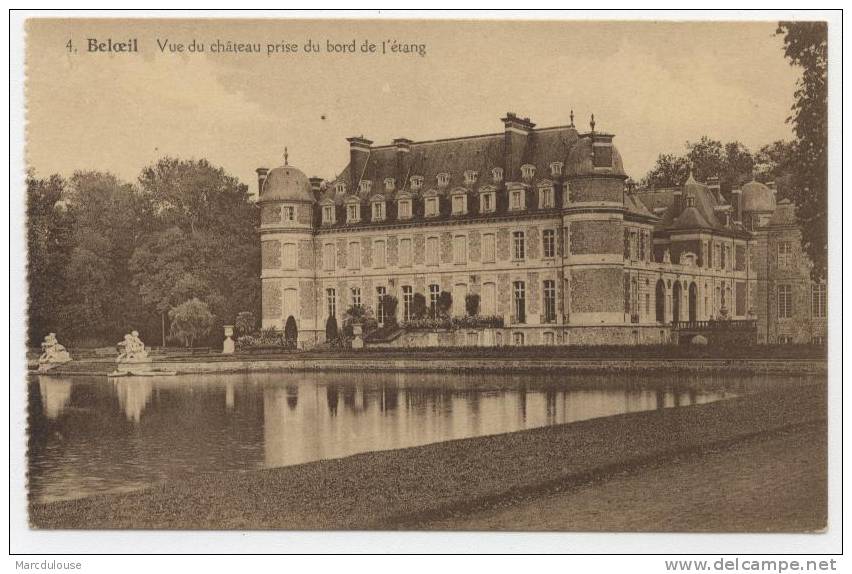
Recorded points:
716,325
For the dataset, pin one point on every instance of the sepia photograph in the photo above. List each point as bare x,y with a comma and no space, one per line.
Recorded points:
427,274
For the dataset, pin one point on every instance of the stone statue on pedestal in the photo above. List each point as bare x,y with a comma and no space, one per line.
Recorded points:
52,353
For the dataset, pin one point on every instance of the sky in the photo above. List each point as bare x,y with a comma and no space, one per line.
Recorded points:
655,85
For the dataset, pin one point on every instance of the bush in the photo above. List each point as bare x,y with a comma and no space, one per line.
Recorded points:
190,320
389,305
471,304
418,306
361,314
245,323
331,332
291,333
445,303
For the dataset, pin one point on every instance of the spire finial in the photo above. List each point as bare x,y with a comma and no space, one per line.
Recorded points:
572,118
286,155
592,123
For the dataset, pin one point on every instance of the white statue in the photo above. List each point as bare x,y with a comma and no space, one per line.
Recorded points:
667,256
52,353
132,348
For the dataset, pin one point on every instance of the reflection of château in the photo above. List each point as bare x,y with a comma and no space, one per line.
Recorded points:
542,224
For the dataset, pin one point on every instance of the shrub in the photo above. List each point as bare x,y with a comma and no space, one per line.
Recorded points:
190,320
471,304
245,323
362,314
445,303
331,332
291,332
389,304
418,306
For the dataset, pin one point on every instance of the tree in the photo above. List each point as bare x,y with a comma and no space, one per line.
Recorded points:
362,315
806,46
389,304
471,304
418,306
190,320
49,244
291,332
732,163
331,332
245,323
669,171
445,303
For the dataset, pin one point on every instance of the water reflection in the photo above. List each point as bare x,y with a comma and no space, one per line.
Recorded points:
90,435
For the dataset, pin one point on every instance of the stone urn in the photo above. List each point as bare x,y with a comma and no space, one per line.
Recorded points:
228,345
357,336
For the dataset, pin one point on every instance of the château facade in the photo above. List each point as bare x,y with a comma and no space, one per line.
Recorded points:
542,224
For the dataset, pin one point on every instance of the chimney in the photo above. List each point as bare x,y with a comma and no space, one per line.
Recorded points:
261,178
715,188
316,186
737,205
516,132
359,153
403,161
677,205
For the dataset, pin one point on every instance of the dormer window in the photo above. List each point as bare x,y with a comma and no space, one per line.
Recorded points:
430,206
556,169
527,172
470,177
289,213
416,182
390,184
497,174
353,212
517,201
546,197
404,208
487,200
379,210
459,203
340,188
443,179
366,186
328,215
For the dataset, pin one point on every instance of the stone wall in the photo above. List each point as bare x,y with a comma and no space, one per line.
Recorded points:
593,237
596,290
270,254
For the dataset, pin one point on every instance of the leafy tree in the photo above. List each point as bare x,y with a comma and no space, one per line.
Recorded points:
732,163
445,303
190,320
389,305
806,46
360,314
471,304
331,332
49,244
669,171
245,323
418,306
291,332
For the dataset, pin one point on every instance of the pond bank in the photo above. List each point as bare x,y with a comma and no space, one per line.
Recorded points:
229,364
413,486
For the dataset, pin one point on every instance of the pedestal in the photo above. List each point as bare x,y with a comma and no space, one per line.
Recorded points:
228,345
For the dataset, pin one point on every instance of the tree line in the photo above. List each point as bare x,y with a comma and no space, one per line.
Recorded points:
173,253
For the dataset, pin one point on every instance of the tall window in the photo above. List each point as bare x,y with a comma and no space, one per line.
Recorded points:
431,251
380,303
519,298
545,198
355,292
486,202
353,213
785,301
289,213
405,252
549,301
329,250
407,298
723,264
434,293
642,246
378,210
716,256
518,245
289,256
489,299
459,249
818,300
488,248
459,204
548,240
379,255
785,254
626,244
353,258
431,206
331,301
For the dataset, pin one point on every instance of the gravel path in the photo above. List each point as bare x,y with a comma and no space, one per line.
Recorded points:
411,487
775,482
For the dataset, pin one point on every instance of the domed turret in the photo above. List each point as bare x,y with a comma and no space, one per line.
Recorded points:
757,197
286,183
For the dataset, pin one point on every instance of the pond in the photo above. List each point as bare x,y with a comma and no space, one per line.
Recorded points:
91,435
